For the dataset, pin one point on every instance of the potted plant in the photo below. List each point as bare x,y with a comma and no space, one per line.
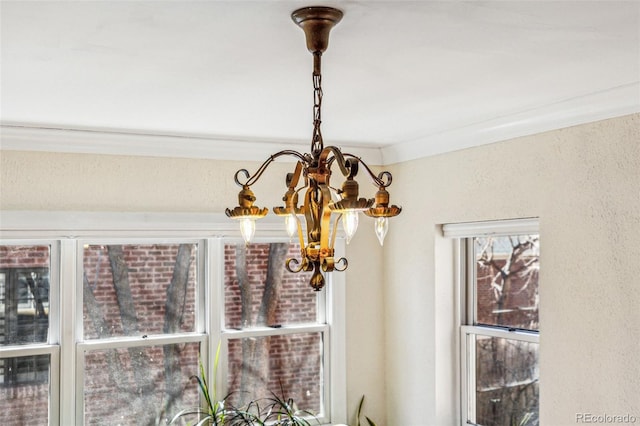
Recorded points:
279,410
369,421
216,412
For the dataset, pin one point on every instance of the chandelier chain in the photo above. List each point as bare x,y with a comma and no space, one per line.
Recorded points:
316,143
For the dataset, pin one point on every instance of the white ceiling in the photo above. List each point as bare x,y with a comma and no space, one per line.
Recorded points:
401,79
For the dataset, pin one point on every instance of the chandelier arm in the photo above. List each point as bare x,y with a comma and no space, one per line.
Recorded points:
294,178
246,174
382,179
343,163
386,177
296,262
344,261
251,179
333,158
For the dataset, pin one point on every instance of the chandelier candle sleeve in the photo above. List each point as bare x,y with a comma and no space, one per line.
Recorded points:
311,179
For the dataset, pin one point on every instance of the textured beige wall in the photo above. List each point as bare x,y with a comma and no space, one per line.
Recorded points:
79,182
50,181
584,185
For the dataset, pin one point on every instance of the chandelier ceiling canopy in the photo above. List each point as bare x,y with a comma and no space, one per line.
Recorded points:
311,177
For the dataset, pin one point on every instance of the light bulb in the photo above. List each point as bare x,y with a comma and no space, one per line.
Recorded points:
291,223
350,223
247,228
381,225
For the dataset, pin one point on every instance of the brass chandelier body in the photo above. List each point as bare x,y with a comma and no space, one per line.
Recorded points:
314,171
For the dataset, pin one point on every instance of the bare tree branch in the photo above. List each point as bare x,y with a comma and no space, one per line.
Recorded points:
273,284
139,359
174,313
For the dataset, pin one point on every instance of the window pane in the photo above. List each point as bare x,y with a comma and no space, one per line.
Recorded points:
506,382
139,385
139,289
260,291
24,294
25,369
507,281
289,366
25,403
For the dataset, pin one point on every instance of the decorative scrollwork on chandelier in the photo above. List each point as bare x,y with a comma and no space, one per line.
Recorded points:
311,178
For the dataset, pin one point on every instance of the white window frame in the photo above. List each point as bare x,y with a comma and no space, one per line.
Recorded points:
69,230
320,326
53,346
463,234
83,346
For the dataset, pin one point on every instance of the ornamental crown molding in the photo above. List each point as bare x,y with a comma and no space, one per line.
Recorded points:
605,104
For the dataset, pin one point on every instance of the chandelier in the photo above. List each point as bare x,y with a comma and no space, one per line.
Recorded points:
323,205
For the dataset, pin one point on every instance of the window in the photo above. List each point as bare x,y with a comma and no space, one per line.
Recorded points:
499,330
24,314
274,327
26,344
144,299
141,331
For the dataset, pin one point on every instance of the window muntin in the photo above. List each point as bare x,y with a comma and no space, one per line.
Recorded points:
499,333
